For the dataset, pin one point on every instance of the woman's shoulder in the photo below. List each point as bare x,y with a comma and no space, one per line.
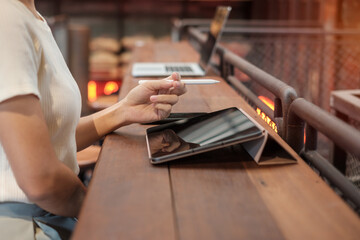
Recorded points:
13,14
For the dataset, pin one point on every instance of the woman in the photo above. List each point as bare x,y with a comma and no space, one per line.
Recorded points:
40,127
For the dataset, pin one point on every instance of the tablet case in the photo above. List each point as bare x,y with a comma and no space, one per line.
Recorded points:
254,144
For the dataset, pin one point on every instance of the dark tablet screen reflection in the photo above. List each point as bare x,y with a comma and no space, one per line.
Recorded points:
210,129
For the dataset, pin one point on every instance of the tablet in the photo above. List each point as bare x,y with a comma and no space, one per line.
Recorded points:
204,133
175,117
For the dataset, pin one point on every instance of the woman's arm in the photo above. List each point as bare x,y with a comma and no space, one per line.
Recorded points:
147,102
45,180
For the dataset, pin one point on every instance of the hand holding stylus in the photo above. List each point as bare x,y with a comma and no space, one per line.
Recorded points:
190,81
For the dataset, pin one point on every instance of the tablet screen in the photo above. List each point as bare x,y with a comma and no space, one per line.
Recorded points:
199,134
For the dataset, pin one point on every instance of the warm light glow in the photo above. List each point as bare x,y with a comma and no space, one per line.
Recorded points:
99,88
267,119
268,102
92,91
111,87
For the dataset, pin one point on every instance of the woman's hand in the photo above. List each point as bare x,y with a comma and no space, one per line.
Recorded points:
153,100
148,102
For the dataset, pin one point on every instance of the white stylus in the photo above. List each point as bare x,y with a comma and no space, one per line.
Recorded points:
189,81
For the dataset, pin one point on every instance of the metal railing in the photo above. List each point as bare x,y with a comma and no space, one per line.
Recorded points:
180,26
304,55
344,136
228,61
313,61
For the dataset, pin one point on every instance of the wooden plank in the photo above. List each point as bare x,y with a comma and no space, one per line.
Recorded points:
301,203
219,201
127,198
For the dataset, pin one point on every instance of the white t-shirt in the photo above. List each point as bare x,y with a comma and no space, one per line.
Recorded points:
31,63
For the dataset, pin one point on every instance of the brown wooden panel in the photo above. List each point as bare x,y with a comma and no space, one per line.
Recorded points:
219,201
127,198
302,204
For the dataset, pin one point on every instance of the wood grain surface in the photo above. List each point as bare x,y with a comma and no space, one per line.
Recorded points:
216,195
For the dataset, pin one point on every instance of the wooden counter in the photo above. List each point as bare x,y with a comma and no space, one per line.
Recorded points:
222,195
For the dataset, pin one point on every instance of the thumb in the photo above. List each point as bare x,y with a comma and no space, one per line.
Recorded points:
174,76
158,84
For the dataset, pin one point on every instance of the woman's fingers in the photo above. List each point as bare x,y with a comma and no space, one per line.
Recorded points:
158,85
167,99
178,87
174,76
167,87
179,90
163,109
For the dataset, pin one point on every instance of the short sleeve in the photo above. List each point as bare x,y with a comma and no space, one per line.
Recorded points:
19,55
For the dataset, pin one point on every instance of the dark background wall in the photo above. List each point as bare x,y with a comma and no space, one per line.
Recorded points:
129,17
